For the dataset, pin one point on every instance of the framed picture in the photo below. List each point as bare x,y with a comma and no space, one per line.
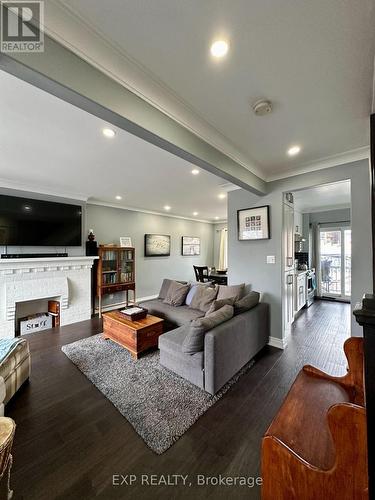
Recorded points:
125,241
253,223
191,245
157,245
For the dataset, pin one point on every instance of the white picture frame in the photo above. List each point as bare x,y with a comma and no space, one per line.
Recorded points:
125,241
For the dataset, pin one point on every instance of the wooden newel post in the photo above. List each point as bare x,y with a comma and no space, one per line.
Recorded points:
365,316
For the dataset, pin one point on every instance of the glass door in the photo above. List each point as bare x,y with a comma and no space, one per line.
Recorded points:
335,262
109,267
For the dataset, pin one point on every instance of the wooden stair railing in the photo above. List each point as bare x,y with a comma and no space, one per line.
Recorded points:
316,445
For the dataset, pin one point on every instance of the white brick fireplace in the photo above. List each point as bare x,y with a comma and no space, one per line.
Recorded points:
67,278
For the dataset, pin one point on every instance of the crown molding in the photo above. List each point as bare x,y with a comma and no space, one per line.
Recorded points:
145,211
72,30
328,162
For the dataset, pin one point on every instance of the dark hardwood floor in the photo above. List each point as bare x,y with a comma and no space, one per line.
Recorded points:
70,440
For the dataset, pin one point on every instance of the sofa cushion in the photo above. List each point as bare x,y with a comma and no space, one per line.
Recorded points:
203,298
165,287
226,292
246,303
218,304
175,316
176,294
193,289
194,340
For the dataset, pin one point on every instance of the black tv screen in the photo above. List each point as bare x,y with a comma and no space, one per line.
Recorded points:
28,222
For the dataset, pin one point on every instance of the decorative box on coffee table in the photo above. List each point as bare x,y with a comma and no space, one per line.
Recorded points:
135,336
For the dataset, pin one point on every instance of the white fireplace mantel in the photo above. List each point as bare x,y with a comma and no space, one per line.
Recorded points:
26,279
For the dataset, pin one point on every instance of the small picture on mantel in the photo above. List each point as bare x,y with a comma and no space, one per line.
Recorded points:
253,223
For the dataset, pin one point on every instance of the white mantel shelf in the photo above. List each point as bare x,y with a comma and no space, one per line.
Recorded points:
45,263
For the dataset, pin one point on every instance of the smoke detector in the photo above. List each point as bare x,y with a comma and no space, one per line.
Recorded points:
262,107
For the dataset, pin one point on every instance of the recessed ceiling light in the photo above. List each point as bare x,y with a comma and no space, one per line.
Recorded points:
195,171
219,48
195,213
118,197
167,207
216,218
222,196
108,132
294,150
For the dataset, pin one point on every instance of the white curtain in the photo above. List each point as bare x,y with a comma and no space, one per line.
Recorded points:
223,250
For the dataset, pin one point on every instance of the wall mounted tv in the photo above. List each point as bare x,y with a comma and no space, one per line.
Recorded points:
28,222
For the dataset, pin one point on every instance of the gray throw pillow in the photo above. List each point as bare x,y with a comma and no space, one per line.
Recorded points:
203,298
165,287
193,289
194,340
176,294
226,292
218,304
246,303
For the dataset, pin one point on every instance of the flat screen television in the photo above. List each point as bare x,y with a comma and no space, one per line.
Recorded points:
28,222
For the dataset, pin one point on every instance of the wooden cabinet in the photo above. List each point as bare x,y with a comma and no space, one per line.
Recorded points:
115,272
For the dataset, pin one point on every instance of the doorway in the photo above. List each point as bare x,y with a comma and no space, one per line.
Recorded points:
335,262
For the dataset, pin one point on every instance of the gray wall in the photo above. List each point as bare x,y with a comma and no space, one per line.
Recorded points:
247,260
73,251
111,223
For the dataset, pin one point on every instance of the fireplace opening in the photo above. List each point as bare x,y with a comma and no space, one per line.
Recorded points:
37,315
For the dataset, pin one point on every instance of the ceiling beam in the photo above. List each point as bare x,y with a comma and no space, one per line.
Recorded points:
65,75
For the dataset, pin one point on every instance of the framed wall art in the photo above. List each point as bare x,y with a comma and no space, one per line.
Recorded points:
190,245
253,223
157,245
125,241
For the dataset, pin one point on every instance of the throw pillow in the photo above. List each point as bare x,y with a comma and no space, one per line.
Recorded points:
246,303
194,340
176,294
226,292
218,304
203,298
193,289
165,287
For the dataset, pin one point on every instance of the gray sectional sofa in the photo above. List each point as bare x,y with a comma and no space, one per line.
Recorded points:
227,347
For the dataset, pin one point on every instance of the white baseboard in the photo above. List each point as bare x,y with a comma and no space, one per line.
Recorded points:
119,305
279,343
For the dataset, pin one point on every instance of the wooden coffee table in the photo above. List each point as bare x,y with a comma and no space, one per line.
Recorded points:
135,336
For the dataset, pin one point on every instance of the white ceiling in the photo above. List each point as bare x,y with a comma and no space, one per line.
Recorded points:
325,197
313,59
49,146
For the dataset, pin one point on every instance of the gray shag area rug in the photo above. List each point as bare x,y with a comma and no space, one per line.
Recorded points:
160,405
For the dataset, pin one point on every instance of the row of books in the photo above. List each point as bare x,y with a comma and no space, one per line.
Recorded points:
128,254
126,277
110,255
109,278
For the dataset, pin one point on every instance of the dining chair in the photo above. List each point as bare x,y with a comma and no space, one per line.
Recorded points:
201,273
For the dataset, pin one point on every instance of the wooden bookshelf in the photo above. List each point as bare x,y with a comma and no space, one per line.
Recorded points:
116,272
